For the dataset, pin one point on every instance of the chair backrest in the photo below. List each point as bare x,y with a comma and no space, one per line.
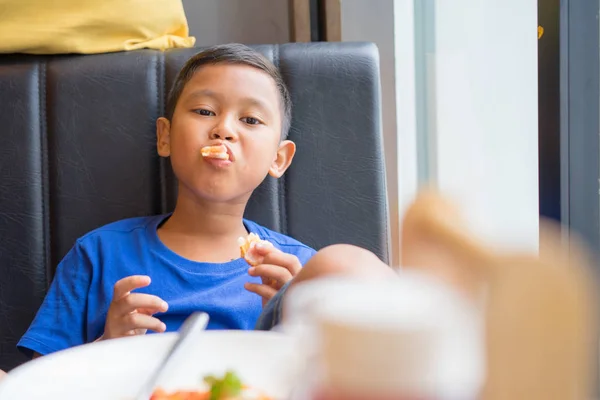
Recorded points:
78,151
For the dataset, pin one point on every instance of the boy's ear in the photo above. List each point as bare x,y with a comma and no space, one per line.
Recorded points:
163,137
283,158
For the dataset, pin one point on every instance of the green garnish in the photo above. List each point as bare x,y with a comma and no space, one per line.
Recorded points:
228,386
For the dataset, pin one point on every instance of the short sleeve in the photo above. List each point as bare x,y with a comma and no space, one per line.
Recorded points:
60,322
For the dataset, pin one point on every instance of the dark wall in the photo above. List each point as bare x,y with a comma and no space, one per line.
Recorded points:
549,108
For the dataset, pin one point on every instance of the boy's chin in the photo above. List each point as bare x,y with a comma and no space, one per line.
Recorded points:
220,190
222,195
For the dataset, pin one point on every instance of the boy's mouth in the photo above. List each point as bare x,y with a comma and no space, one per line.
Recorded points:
218,152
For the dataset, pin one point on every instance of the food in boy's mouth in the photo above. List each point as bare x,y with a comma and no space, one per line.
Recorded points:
248,243
229,387
219,152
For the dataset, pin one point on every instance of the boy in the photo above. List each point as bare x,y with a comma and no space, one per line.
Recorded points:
149,274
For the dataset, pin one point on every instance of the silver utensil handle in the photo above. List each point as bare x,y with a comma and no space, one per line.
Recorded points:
193,325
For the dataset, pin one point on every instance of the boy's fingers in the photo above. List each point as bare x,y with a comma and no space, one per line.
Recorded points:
148,302
126,285
264,291
271,272
257,252
287,261
136,320
148,311
262,249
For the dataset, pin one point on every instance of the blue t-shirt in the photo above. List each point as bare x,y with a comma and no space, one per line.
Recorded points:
74,310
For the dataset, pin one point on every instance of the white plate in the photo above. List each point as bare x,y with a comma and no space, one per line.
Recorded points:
116,369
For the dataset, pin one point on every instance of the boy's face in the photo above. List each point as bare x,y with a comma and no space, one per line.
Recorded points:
234,105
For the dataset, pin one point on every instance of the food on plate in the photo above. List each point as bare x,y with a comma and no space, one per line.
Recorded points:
219,152
247,243
229,387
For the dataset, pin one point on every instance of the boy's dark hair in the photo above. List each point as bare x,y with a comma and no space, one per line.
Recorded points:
235,54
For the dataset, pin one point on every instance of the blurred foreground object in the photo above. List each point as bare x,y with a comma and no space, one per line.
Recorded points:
377,339
461,321
92,26
540,309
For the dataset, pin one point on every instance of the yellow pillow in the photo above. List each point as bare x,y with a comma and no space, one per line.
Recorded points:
91,26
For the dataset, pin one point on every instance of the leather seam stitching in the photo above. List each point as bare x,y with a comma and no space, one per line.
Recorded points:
42,82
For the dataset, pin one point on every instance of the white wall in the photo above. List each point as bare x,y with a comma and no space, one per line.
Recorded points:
485,115
405,113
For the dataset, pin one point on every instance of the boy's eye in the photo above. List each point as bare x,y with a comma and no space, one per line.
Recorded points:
204,112
251,121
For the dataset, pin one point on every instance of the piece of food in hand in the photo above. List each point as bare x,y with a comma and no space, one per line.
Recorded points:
219,152
247,244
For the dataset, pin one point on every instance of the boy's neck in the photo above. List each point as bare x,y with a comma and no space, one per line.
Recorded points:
205,219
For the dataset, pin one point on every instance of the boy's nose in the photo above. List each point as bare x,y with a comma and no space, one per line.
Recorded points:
223,131
215,135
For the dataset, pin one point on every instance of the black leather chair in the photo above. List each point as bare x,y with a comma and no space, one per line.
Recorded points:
78,151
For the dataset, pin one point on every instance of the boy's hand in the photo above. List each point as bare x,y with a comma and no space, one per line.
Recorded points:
131,313
275,270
